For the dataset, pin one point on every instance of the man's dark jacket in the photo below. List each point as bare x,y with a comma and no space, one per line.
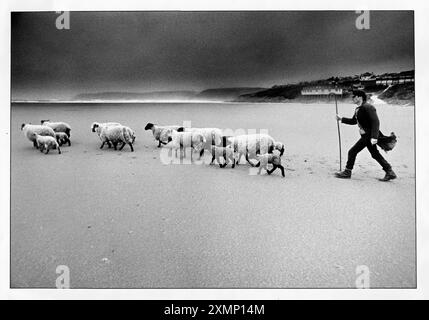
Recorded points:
366,116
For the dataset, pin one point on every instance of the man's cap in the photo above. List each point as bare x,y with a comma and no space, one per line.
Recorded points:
359,93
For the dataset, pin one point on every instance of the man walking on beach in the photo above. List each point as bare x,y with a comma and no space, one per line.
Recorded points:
366,118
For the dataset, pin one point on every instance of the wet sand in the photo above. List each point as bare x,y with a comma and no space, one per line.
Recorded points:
121,219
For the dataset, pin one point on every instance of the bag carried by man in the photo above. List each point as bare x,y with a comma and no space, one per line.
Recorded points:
387,143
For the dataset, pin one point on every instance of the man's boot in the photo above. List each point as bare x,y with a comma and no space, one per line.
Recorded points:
346,174
390,175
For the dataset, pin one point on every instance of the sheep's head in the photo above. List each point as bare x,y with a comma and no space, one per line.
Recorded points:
170,139
22,126
43,121
281,147
94,126
149,126
180,129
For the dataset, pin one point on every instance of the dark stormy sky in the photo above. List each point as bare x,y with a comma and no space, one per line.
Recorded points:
151,51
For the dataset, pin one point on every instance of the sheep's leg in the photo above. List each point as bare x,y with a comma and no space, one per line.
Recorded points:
213,159
272,170
122,147
233,163
226,161
102,145
131,146
239,157
69,142
47,151
282,169
247,158
35,144
201,152
108,144
258,164
225,158
159,143
220,164
59,150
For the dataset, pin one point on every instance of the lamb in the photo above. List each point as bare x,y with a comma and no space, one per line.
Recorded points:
183,140
97,127
117,134
252,144
274,159
162,133
62,138
46,143
31,129
57,126
226,152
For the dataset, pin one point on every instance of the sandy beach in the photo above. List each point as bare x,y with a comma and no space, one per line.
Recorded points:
121,219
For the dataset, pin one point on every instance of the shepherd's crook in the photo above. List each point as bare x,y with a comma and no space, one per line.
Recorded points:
338,127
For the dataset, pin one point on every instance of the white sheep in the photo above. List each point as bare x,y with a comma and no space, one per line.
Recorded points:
272,158
162,133
57,126
184,140
213,137
252,144
227,153
46,143
117,134
97,127
62,138
31,129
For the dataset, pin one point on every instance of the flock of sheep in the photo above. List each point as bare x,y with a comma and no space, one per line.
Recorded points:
260,147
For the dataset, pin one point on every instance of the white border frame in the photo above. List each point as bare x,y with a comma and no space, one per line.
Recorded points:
421,9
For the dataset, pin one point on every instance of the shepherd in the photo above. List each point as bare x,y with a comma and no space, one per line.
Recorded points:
366,118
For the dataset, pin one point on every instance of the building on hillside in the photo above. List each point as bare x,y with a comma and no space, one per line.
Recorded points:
320,91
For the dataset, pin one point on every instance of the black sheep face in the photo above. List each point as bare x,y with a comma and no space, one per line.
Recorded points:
149,126
94,126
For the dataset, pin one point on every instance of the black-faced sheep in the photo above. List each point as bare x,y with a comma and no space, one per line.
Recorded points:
184,140
31,129
227,153
272,158
62,138
213,137
252,144
97,127
162,133
57,126
117,134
